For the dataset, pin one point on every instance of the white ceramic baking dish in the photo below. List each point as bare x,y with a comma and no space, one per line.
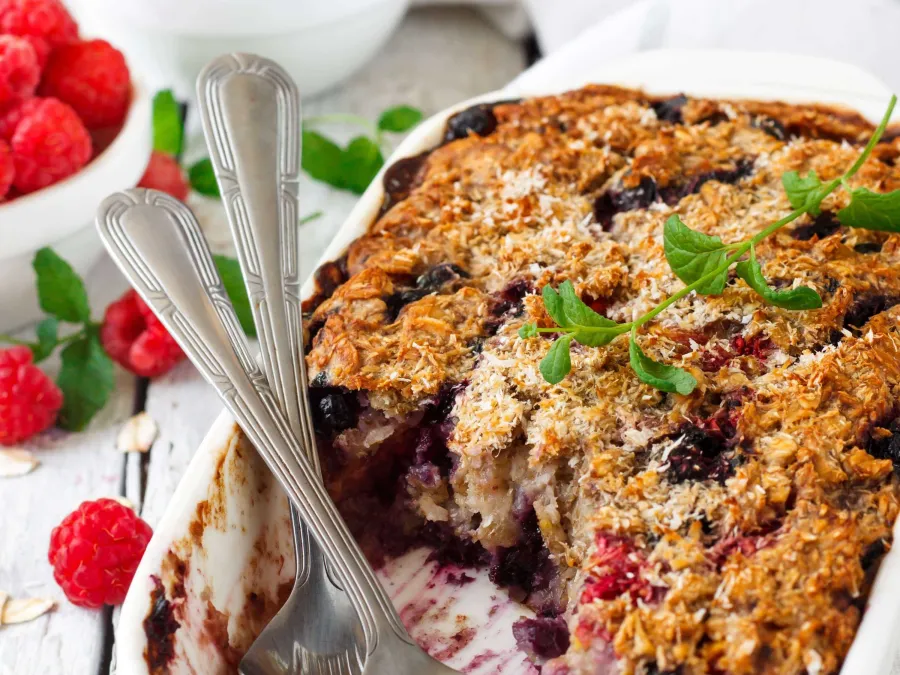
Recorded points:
223,545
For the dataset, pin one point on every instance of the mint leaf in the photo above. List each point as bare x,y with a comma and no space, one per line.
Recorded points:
203,178
571,314
360,163
803,193
322,158
86,380
168,130
557,364
233,280
801,297
553,303
399,119
529,330
60,290
579,315
660,375
872,210
692,255
47,332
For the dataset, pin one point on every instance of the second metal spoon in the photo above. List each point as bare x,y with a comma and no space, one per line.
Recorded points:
250,110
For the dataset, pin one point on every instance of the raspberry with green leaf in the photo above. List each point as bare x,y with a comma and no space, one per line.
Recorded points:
86,377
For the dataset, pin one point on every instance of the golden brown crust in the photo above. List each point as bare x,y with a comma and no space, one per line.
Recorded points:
753,558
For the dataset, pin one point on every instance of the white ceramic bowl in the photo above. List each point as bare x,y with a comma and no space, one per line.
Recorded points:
62,215
319,42
222,550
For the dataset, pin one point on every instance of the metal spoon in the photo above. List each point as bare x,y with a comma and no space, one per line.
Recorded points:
158,245
250,109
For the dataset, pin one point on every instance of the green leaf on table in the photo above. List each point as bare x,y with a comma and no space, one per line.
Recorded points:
660,375
692,255
581,317
872,210
203,178
798,298
47,332
322,158
168,129
529,330
557,364
399,118
60,290
233,280
360,163
803,193
86,379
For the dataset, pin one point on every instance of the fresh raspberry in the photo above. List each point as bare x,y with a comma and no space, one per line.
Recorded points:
135,338
41,49
19,70
163,173
49,144
7,170
95,551
10,116
29,400
46,19
92,78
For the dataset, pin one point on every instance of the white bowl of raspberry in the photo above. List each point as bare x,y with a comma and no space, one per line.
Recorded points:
73,127
61,215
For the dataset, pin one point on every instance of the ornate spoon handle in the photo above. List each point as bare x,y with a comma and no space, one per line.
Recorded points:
250,109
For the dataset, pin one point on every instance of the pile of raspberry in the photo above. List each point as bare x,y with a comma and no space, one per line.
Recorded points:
62,99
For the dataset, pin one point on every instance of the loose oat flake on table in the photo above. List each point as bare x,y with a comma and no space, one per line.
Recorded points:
22,610
137,434
16,462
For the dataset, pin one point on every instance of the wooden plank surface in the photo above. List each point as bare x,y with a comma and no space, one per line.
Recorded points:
438,56
74,467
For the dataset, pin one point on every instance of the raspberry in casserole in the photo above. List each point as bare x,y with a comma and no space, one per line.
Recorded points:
734,530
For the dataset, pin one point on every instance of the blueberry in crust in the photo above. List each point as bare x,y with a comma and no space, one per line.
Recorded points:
736,530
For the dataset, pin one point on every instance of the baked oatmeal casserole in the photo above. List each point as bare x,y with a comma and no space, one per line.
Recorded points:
733,530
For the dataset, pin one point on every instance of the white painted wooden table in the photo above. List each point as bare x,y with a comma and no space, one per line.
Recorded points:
438,57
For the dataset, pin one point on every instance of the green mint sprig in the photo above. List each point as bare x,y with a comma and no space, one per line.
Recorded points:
86,377
168,127
352,168
703,263
233,280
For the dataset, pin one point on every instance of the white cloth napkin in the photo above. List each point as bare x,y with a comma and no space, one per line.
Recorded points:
861,32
